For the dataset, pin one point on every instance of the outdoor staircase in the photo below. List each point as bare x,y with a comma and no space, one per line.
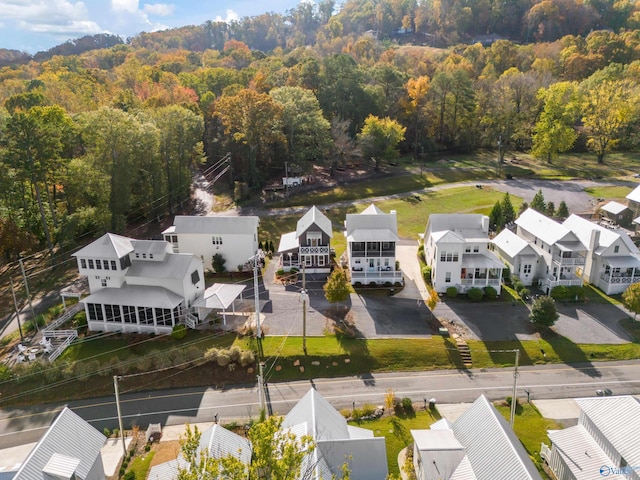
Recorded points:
465,353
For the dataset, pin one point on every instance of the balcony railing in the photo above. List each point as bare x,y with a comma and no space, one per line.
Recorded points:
366,277
318,250
494,282
549,282
373,253
615,280
578,260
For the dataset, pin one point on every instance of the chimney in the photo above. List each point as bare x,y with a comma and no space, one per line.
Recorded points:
485,224
594,241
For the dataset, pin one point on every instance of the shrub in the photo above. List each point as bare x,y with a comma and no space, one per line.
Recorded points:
368,410
426,273
106,432
506,275
407,404
211,354
234,353
279,272
389,399
452,292
490,292
517,285
567,293
223,358
246,358
524,292
179,331
357,284
122,470
508,400
131,475
147,447
115,432
475,294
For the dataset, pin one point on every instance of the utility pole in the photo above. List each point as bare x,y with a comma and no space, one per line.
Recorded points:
304,295
261,399
256,295
514,397
115,386
15,304
26,287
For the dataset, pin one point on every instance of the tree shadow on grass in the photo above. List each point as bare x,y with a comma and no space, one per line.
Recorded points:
503,354
569,353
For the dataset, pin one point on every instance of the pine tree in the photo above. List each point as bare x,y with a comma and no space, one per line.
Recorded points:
551,209
337,287
496,217
523,207
508,212
538,203
563,210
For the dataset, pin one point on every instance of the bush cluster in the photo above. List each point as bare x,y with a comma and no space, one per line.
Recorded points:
567,293
452,292
475,294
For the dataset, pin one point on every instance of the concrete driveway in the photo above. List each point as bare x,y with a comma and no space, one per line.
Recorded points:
580,323
374,313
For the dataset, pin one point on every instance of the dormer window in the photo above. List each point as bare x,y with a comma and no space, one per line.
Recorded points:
216,240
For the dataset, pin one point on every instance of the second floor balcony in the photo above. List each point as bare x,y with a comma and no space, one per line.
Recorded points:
314,250
569,258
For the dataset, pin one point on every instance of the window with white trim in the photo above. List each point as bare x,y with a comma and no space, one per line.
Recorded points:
447,277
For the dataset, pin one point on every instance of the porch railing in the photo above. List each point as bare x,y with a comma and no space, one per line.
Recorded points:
615,280
375,275
69,313
579,260
318,250
68,335
480,281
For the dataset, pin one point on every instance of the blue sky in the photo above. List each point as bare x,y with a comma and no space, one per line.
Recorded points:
35,25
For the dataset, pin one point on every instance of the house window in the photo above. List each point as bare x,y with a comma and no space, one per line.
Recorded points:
145,314
83,263
386,262
526,269
443,256
455,256
98,265
103,282
447,277
371,263
144,255
125,262
321,260
195,277
113,265
616,249
95,312
163,316
476,249
357,262
449,256
112,313
105,263
129,314
307,260
137,255
216,240
467,249
151,255
91,264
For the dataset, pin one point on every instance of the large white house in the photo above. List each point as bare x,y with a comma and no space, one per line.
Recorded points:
138,285
309,245
604,443
456,249
613,261
235,238
561,254
371,246
478,445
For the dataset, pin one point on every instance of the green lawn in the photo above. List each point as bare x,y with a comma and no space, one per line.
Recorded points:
531,428
609,192
141,465
383,427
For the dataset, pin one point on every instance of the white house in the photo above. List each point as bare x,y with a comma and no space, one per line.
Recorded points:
235,238
613,261
562,255
138,285
517,254
336,442
456,249
604,443
478,445
69,450
309,245
371,246
217,442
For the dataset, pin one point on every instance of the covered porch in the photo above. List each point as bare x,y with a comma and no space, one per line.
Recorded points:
218,299
618,274
481,271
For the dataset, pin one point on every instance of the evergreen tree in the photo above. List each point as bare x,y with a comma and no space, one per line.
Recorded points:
538,203
551,209
496,217
523,207
563,210
337,287
508,212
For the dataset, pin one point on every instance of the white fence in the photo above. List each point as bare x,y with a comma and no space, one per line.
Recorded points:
69,313
68,335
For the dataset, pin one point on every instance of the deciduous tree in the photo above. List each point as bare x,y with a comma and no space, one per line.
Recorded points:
631,298
380,137
337,287
544,311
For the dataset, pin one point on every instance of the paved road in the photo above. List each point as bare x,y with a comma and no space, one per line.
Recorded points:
175,407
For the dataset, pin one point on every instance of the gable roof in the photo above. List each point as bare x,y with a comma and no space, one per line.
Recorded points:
447,236
634,195
109,245
457,227
546,229
583,229
440,452
220,442
618,418
372,219
314,216
614,207
215,224
579,451
336,442
512,245
175,265
493,449
136,295
68,441
288,241
220,296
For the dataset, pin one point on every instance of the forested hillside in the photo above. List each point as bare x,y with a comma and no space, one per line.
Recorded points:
92,138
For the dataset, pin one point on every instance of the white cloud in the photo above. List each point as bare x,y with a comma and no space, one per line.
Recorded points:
73,28
159,9
231,17
130,6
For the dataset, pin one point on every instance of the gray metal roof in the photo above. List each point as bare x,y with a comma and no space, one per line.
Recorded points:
68,436
220,442
135,295
288,241
215,224
323,422
314,216
175,265
107,246
618,418
546,229
614,207
220,295
580,452
366,458
153,247
494,451
372,218
583,229
512,245
634,195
